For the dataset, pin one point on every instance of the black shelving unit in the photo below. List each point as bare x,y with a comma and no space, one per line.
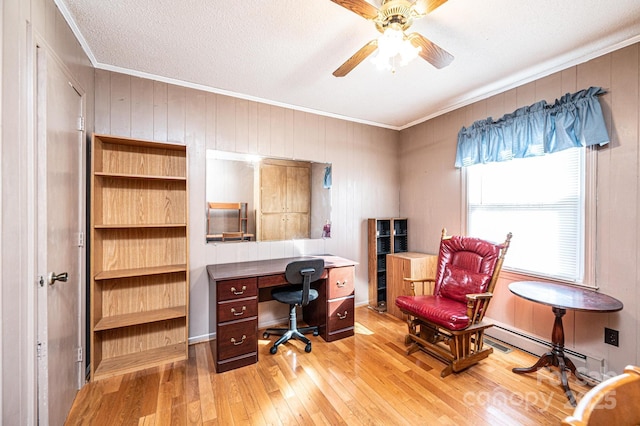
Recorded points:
386,236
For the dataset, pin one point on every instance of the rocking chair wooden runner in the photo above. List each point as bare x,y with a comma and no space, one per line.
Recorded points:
449,324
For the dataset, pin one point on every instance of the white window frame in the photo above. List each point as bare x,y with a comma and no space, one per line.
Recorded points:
589,188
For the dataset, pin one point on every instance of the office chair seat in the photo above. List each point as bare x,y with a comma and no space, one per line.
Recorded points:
300,274
293,295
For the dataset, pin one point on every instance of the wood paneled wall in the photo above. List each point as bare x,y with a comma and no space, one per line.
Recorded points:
432,196
364,158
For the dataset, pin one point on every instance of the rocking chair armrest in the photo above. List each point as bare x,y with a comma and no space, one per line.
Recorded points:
413,282
476,306
479,296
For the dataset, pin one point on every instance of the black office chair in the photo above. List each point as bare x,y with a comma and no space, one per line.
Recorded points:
301,274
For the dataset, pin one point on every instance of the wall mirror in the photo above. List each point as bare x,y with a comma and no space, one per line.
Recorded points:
254,198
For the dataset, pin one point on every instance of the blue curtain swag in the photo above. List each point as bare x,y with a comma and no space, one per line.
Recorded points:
575,120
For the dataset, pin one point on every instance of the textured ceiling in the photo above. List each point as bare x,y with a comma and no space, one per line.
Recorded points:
283,51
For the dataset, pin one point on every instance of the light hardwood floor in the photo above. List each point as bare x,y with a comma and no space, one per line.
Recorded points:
362,380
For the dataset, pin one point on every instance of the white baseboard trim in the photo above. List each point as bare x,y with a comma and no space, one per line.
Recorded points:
202,338
587,365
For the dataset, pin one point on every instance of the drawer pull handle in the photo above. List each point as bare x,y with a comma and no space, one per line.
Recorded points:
341,284
234,312
233,340
342,316
236,292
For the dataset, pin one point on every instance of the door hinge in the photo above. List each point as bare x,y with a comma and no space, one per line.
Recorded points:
81,239
80,123
79,355
39,350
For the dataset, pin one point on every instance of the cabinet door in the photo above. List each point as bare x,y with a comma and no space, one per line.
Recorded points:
285,188
273,188
272,226
298,189
297,226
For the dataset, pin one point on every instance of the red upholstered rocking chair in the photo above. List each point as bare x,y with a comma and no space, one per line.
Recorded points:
448,324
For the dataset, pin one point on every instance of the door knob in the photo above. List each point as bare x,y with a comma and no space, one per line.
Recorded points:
53,277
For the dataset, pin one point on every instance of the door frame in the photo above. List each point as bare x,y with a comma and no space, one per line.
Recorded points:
40,47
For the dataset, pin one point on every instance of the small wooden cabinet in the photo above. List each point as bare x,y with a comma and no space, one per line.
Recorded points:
407,265
285,200
385,236
139,283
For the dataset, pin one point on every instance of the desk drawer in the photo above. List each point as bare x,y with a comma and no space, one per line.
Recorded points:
236,289
340,282
272,280
340,315
237,338
231,310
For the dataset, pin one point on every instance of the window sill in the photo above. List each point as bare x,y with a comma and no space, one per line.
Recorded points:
513,275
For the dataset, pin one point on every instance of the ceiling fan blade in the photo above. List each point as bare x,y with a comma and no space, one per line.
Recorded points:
361,7
431,52
425,6
357,57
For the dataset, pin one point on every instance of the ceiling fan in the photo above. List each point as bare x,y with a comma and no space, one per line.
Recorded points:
392,19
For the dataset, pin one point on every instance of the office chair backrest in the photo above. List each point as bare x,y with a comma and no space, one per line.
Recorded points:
304,272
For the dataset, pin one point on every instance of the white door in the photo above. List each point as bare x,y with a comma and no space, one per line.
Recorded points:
60,229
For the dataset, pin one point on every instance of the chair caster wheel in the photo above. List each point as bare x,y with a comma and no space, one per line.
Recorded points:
265,335
315,333
273,349
307,348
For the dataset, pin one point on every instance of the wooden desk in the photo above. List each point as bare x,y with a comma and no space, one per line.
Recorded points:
560,298
240,286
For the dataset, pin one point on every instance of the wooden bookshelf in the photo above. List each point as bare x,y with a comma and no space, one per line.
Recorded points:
139,255
140,360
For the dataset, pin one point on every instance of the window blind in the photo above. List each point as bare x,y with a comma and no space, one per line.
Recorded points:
541,201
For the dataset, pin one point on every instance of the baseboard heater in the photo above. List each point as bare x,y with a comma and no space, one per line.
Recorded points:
589,366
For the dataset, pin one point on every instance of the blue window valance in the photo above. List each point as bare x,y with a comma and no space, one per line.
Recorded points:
575,120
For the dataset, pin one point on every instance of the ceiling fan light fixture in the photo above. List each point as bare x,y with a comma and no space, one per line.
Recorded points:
393,44
392,19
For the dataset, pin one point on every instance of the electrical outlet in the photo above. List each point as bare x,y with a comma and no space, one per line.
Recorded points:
611,336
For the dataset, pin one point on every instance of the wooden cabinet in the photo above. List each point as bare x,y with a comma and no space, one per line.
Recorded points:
333,310
285,200
385,236
139,284
407,265
237,323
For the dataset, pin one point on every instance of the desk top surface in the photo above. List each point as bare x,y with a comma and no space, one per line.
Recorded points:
565,296
257,268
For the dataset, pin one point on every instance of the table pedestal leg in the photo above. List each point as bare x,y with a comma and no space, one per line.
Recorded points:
556,356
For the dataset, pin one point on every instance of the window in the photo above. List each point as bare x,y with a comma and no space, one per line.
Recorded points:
542,201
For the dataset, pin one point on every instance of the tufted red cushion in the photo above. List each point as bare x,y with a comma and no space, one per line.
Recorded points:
472,254
446,312
458,282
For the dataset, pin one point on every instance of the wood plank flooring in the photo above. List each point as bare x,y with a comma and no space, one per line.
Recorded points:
362,380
